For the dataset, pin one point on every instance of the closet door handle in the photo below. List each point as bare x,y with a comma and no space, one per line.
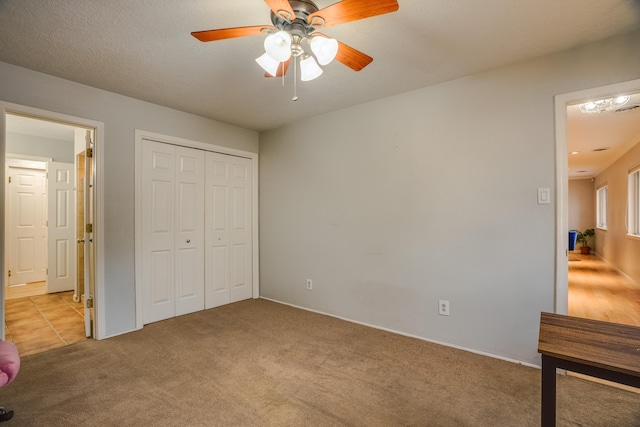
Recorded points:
188,240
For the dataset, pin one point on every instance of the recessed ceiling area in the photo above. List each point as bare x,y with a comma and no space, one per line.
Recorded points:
595,141
145,49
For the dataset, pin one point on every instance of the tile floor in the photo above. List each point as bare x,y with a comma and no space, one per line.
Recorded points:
43,322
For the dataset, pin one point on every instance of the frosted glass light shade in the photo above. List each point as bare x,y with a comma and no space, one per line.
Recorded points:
269,64
278,46
324,48
309,69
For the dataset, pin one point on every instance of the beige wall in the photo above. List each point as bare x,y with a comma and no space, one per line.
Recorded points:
613,244
582,204
392,205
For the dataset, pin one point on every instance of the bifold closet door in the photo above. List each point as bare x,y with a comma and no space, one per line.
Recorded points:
172,230
228,253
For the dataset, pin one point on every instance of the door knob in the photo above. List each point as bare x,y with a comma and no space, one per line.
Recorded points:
188,240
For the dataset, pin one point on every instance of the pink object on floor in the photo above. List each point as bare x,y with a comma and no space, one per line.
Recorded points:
9,362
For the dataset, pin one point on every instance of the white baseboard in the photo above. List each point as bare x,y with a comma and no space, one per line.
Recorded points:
482,353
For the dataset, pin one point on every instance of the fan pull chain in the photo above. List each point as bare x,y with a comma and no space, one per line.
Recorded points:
295,79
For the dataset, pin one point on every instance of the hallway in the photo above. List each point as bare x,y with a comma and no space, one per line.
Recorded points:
597,291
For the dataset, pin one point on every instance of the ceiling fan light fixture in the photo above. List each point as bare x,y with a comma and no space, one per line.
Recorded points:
309,69
278,46
268,64
324,48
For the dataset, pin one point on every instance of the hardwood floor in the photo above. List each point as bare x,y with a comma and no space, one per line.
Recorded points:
597,291
43,322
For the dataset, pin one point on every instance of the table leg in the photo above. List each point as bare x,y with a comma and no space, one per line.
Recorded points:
548,391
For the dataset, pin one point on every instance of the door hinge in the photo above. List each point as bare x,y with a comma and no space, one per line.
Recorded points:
89,152
89,302
89,228
9,273
9,180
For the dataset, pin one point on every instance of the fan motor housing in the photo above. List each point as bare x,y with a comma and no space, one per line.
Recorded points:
297,25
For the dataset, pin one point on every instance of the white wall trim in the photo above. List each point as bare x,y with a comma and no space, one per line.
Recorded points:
36,113
562,179
393,331
139,136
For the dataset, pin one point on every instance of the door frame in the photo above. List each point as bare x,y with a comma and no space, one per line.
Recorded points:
141,135
98,127
562,179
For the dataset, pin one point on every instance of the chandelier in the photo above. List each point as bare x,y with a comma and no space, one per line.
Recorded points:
602,105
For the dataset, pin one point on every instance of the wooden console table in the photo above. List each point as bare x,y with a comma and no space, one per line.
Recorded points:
591,347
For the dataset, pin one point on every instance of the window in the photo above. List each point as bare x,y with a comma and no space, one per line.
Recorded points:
601,207
633,225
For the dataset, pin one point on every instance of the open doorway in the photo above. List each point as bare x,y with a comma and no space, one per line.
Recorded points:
595,152
48,245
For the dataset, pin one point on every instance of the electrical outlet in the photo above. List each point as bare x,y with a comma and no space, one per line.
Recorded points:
443,307
309,284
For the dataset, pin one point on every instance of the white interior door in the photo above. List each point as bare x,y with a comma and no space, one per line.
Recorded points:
27,225
228,253
172,230
62,233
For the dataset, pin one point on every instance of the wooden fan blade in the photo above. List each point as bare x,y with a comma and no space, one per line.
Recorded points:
352,10
277,5
349,56
228,33
280,71
352,58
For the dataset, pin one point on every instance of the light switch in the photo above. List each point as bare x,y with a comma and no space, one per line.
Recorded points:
544,196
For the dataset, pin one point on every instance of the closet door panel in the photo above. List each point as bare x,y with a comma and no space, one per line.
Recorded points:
158,231
189,238
240,232
217,273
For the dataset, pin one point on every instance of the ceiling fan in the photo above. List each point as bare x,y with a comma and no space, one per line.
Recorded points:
298,21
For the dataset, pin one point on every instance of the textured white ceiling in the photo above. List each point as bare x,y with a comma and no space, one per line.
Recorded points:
144,49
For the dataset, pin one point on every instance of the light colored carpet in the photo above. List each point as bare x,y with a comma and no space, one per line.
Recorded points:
259,363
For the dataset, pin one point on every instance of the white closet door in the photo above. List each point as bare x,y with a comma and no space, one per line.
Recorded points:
172,230
158,213
228,253
62,228
189,238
